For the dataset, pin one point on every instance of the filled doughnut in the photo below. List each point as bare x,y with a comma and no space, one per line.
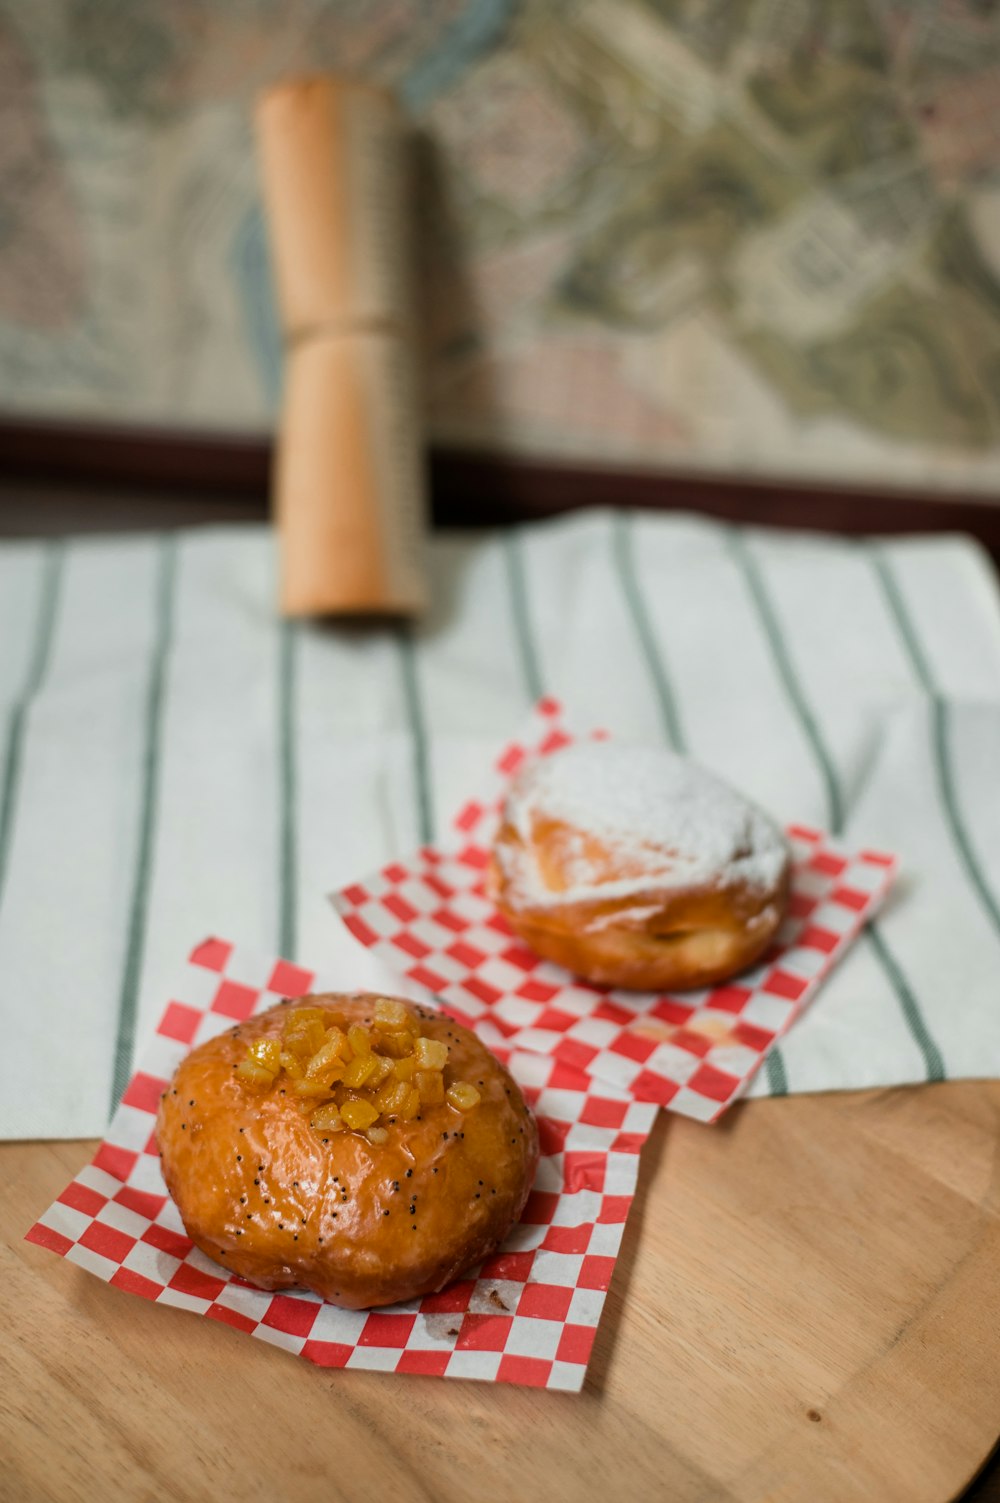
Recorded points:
635,868
359,1146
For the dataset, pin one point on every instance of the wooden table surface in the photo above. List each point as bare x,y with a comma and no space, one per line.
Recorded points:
807,1307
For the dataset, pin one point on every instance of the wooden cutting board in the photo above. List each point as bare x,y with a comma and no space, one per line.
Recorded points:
807,1308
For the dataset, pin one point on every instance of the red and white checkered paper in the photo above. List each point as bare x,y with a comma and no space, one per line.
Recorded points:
528,1315
429,918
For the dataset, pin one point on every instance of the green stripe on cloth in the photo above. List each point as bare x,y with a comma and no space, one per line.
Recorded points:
517,589
774,1066
940,734
418,734
135,943
908,1005
287,793
949,796
628,577
41,651
774,1063
901,618
783,663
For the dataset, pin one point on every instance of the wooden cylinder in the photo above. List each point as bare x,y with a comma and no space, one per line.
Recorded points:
348,485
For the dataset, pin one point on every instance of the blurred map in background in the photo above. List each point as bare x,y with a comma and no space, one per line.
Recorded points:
755,236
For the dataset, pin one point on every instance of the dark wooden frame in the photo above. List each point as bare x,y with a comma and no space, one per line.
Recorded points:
51,472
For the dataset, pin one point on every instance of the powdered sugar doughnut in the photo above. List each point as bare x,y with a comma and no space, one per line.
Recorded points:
635,868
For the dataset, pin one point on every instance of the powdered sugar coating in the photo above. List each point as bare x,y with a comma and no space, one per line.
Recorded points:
660,820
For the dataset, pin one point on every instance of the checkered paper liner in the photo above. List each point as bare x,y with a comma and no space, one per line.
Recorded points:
528,1315
428,917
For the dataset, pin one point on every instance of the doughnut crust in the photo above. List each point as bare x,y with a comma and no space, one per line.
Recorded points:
634,868
286,1204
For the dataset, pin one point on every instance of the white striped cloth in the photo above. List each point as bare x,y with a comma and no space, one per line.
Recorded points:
176,762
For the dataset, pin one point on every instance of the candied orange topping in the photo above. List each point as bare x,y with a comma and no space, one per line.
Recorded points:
365,1078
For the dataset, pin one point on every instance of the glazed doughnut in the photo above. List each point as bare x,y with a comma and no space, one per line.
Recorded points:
359,1146
634,868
